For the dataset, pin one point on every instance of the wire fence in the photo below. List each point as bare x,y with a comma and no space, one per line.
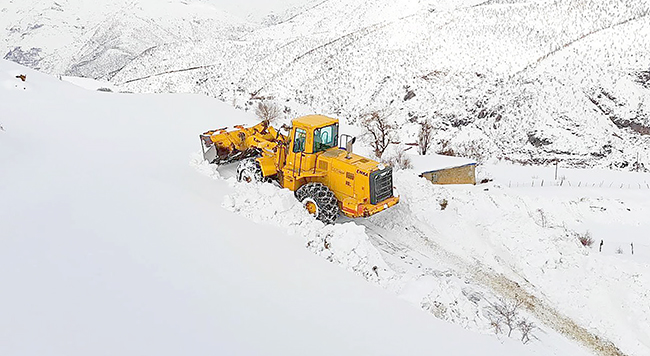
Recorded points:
540,183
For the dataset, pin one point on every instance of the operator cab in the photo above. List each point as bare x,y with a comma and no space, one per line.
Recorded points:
314,133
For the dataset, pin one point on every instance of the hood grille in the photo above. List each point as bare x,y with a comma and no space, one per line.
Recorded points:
381,185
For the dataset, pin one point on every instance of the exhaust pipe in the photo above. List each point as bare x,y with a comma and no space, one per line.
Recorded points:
349,141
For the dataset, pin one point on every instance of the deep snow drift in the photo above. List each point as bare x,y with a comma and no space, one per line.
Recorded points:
110,242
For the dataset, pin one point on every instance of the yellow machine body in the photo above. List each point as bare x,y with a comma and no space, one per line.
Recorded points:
309,153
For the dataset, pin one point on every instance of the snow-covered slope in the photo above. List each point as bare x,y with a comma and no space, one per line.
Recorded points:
530,81
111,242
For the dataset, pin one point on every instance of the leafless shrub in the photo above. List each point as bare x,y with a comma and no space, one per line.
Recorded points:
619,251
425,135
267,111
1,128
106,90
445,149
586,240
496,325
526,328
399,161
542,218
443,204
380,130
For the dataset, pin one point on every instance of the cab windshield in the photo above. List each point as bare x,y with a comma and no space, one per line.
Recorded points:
326,137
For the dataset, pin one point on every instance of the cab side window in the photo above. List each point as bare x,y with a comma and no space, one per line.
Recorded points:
300,137
325,137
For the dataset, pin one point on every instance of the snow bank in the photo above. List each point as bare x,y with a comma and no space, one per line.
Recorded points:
346,244
440,288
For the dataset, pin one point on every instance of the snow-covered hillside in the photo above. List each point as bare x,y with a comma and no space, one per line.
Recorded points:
112,242
530,81
87,37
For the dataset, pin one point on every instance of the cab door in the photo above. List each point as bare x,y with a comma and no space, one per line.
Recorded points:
292,168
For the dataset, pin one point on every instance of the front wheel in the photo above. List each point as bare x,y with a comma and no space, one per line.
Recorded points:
319,201
249,171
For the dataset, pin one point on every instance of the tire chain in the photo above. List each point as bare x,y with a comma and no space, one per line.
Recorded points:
252,167
328,208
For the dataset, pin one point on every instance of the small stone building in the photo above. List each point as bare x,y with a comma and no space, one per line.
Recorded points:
453,175
444,169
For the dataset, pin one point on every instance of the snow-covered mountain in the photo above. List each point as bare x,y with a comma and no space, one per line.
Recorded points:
88,37
529,81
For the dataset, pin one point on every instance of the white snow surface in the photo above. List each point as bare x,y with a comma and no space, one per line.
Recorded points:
112,242
434,162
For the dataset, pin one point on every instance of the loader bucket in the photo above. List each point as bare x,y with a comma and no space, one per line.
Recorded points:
222,146
218,153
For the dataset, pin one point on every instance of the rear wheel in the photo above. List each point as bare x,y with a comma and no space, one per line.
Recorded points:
249,171
319,201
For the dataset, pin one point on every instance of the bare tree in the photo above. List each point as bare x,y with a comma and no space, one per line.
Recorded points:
380,130
267,111
425,135
505,313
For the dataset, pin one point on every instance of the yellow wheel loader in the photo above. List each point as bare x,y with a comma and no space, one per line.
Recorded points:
327,179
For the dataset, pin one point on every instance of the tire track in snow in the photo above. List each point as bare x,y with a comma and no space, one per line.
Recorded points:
405,233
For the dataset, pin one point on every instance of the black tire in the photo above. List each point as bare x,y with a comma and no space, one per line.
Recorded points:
249,171
327,205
